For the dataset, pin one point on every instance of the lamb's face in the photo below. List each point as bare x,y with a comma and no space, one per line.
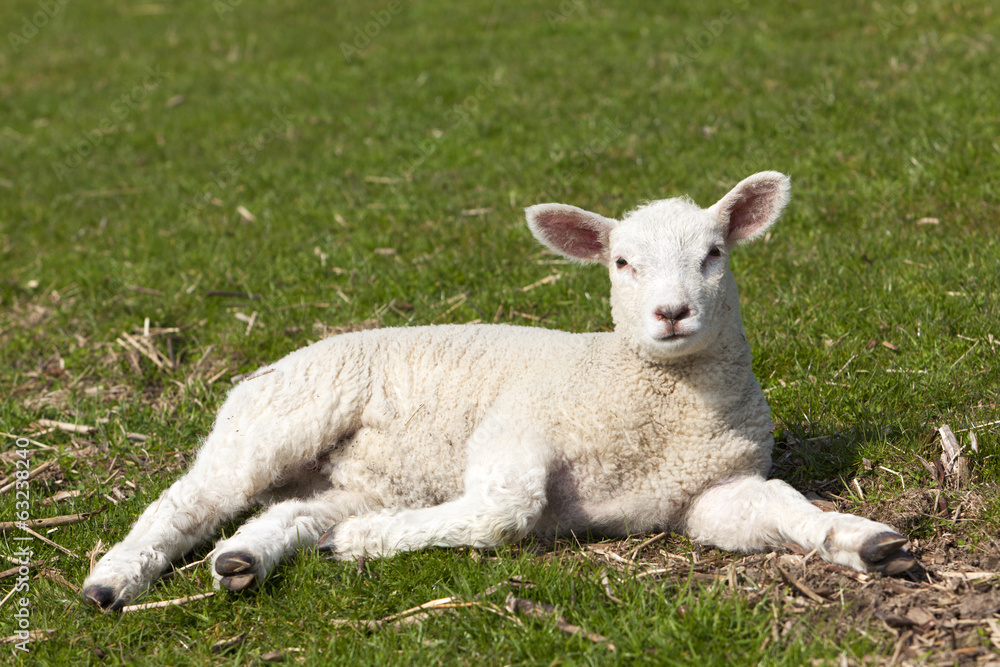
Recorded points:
668,263
671,290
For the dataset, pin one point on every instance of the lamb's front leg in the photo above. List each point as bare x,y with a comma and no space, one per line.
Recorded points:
750,513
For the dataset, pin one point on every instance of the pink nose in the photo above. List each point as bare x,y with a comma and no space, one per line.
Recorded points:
672,315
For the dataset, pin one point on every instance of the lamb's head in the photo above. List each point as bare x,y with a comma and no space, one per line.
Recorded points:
671,288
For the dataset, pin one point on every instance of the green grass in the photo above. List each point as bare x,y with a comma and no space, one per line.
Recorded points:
130,134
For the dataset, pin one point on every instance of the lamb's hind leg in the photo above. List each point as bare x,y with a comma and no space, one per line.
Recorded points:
183,516
505,480
264,431
749,514
255,550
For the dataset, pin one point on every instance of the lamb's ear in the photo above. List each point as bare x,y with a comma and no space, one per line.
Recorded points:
752,206
571,231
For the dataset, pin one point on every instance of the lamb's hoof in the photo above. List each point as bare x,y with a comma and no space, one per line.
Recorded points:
238,583
104,597
326,544
884,553
234,570
234,562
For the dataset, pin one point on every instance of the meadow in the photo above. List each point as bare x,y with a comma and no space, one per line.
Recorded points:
191,190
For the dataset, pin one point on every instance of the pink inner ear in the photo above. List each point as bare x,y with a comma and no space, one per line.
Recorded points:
572,236
751,210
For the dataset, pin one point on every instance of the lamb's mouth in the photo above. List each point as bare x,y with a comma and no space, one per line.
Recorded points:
676,335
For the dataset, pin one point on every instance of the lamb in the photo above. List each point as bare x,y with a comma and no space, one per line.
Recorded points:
376,442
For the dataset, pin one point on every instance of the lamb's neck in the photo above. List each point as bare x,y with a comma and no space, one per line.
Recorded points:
718,376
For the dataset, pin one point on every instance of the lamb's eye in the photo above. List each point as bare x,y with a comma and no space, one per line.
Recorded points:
715,252
621,263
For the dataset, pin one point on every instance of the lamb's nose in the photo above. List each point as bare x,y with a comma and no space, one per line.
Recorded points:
672,314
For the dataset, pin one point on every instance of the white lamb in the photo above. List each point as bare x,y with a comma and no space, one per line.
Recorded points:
398,439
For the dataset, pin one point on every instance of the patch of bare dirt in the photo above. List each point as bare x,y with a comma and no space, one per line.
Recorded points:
946,611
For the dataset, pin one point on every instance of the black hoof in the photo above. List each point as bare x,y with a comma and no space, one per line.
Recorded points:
326,543
234,562
898,564
104,597
238,583
884,553
880,547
